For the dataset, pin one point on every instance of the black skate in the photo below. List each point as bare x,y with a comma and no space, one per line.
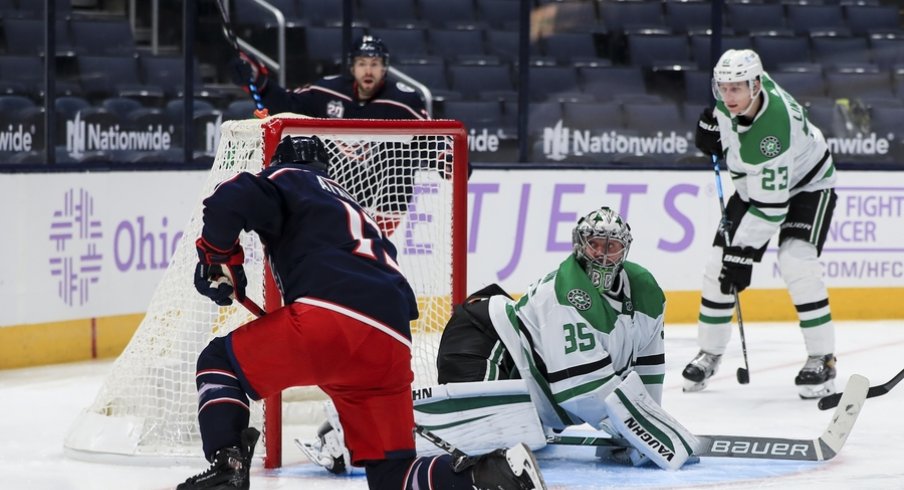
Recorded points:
230,467
508,469
702,367
817,378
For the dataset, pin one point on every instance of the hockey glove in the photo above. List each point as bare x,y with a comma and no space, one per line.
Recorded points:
737,265
246,68
220,273
707,138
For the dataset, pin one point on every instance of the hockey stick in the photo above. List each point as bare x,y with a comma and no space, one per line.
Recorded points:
460,460
743,373
831,401
823,448
260,111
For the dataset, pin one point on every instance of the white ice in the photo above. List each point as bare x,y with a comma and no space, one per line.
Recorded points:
39,404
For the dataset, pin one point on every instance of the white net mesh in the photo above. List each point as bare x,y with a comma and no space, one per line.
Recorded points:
148,404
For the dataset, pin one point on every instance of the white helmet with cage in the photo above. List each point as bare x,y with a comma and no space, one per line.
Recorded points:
601,240
738,65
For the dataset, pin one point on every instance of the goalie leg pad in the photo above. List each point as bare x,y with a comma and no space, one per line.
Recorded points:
647,427
478,417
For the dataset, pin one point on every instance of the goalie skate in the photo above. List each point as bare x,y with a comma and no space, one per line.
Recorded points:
817,378
698,372
513,468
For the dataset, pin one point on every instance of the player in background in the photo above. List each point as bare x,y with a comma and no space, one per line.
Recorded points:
363,93
587,338
344,328
784,178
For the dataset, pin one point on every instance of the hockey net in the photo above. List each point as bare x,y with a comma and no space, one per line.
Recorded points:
411,176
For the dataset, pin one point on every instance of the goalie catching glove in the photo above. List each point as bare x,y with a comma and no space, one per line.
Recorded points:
220,274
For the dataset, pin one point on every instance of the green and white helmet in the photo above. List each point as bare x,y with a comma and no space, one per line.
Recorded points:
601,240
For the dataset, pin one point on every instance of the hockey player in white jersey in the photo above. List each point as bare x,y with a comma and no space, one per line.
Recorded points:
588,340
784,178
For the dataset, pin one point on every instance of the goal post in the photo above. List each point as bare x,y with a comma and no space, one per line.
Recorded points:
410,175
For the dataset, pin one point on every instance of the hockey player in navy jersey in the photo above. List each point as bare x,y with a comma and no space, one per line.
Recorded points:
362,94
344,328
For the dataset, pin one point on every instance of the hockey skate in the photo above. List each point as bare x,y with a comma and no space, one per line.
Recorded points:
817,378
230,467
697,373
508,469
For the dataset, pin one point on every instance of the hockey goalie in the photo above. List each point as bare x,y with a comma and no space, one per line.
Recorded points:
583,346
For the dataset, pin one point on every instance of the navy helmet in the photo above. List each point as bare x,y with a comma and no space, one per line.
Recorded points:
369,47
301,149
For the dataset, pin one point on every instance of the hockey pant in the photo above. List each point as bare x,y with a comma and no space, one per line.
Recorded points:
801,239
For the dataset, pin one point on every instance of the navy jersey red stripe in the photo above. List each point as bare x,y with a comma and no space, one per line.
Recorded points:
319,240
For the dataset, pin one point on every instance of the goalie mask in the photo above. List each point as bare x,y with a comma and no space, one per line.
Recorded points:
301,149
601,241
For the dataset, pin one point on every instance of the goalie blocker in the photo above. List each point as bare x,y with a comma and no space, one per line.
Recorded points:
478,417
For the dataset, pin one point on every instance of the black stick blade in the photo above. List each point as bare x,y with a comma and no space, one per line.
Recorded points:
743,376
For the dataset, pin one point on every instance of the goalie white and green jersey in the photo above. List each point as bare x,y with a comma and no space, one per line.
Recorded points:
776,157
573,345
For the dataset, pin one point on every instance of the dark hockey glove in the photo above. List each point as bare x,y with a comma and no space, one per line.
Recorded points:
246,68
737,266
707,138
220,273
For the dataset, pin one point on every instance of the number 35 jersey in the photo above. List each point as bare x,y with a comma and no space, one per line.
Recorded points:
776,156
573,345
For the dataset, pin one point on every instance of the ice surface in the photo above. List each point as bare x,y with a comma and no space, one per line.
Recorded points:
39,404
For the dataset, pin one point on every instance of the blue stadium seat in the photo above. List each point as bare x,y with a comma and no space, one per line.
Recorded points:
801,84
683,16
866,19
67,106
805,19
12,104
650,118
324,44
541,115
403,42
96,37
834,50
621,16
698,87
249,13
33,9
700,48
574,16
652,50
454,42
753,17
239,109
777,50
386,13
499,14
433,75
608,83
887,51
475,114
21,75
106,76
569,46
859,85
546,81
886,120
447,13
26,36
175,108
470,80
167,73
318,12
505,44
120,106
594,116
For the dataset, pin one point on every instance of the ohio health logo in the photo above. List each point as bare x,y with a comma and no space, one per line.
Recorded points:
75,234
